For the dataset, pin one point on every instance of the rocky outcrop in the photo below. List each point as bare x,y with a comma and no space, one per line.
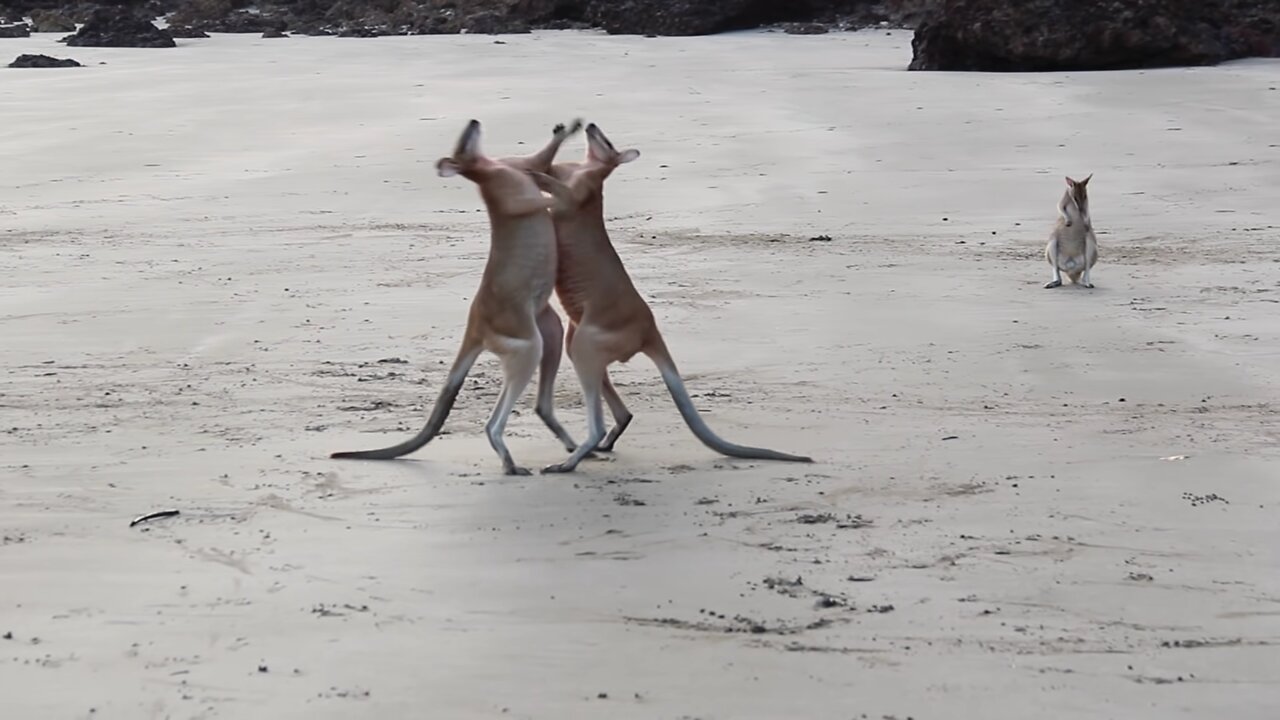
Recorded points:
51,21
42,61
224,16
17,30
364,18
1047,35
704,17
186,32
690,17
120,27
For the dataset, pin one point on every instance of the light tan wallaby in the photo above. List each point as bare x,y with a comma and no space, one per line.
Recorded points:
510,315
608,320
1073,248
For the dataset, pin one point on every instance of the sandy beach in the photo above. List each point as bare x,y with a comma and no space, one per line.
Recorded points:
221,262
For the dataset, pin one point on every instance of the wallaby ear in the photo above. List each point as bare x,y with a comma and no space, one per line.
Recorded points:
469,141
1086,180
628,155
447,167
1070,182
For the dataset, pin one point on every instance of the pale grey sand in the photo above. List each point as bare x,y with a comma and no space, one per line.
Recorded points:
206,252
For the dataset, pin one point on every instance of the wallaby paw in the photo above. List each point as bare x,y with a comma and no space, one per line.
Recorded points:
558,468
560,130
1052,284
1088,285
517,470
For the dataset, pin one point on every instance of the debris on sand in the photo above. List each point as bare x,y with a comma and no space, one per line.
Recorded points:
627,500
735,624
153,516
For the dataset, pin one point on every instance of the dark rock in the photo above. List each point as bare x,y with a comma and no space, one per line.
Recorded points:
494,23
186,32
691,17
884,13
704,17
73,12
1057,35
224,16
366,18
1252,29
78,11
42,61
19,30
120,27
274,33
309,28
360,31
51,21
808,28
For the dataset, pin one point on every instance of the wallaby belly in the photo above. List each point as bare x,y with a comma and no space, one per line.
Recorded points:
1072,248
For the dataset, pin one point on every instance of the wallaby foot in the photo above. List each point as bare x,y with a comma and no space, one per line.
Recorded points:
563,467
1052,284
1086,284
607,444
621,416
517,470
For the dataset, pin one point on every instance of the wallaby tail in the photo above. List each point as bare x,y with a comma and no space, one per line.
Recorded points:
657,352
388,453
444,404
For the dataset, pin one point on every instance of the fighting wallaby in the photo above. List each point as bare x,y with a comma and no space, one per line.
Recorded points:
1073,248
510,315
608,320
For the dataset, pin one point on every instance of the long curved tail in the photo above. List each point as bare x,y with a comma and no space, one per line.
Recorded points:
444,404
657,351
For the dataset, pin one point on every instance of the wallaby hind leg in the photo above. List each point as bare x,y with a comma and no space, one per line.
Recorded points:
621,416
519,362
1051,254
590,367
467,354
552,331
1090,257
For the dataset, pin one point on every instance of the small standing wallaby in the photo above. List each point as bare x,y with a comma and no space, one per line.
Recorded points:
1073,248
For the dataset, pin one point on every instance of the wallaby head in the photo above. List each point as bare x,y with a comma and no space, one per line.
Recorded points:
601,153
1078,190
466,156
496,177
